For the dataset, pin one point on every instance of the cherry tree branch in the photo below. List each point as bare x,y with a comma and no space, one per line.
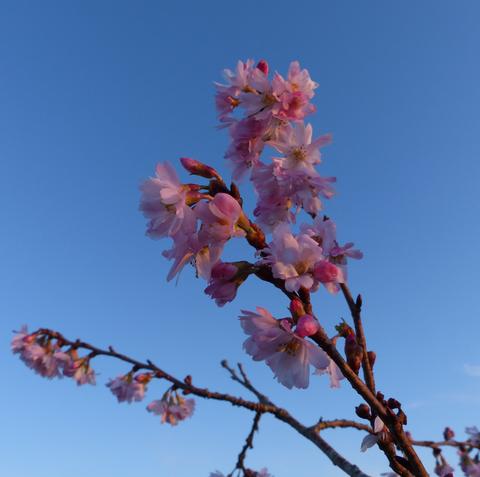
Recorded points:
264,406
248,444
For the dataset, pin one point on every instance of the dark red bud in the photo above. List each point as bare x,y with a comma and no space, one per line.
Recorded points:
363,411
263,67
197,168
372,357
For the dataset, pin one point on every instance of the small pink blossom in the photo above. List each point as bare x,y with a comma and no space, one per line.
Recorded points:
292,258
294,93
164,202
288,355
295,143
80,370
172,408
129,388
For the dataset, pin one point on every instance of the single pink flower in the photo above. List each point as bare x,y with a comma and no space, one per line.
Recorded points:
292,258
172,408
80,370
329,275
371,439
288,355
164,202
295,143
129,388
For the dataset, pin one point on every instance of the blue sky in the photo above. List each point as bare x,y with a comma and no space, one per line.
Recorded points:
93,94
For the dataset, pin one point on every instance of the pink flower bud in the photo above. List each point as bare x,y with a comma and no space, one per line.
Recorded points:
296,308
223,271
197,168
263,67
326,272
307,325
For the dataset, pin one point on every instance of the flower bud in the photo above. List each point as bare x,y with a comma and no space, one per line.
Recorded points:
307,325
296,308
326,272
363,411
372,356
263,67
197,168
448,434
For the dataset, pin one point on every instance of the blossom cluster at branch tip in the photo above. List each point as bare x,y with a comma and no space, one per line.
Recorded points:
172,407
45,356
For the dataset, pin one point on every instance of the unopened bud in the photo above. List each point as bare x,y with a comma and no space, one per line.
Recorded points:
448,434
307,325
353,353
197,168
296,308
363,411
326,272
263,67
392,403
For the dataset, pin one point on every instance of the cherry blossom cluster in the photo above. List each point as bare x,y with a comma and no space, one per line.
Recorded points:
43,352
200,218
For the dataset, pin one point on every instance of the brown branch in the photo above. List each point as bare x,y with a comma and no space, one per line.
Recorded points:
437,444
341,423
187,386
248,444
355,310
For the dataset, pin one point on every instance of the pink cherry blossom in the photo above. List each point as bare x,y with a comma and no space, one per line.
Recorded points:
172,408
164,202
247,144
219,218
288,355
371,439
80,371
294,93
292,258
129,388
295,143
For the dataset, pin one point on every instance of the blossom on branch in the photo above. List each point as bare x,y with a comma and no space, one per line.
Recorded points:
287,354
172,408
129,388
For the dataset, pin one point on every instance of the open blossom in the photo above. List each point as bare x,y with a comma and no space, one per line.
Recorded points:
474,434
288,355
129,388
294,142
371,439
294,93
293,258
164,202
172,408
80,370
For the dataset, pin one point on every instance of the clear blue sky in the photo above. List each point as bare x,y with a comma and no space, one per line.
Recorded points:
93,94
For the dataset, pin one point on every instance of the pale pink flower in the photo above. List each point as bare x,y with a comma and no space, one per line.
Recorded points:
287,355
172,408
371,439
294,93
259,99
80,371
219,218
129,388
292,258
443,469
273,205
295,143
247,144
164,202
